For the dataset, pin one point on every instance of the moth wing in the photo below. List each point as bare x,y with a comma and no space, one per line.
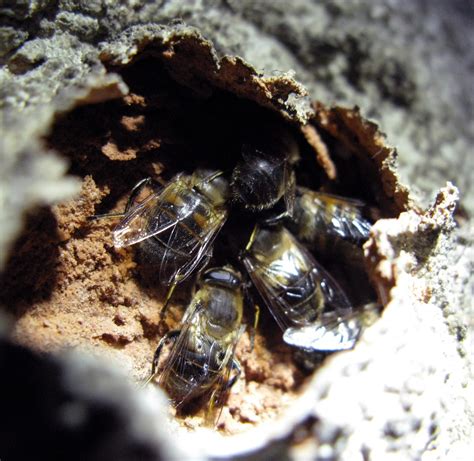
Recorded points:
342,216
270,290
331,334
222,387
147,219
196,250
268,279
180,356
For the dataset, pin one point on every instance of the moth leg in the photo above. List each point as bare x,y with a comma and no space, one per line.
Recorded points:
276,219
218,393
176,280
249,301
254,327
252,238
137,189
238,369
173,334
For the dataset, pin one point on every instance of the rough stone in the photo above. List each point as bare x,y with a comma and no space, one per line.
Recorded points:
404,392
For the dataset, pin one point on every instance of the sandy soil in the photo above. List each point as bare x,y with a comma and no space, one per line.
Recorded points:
68,287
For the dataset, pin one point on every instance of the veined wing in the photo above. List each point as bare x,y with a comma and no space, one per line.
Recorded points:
296,274
222,385
334,331
341,216
185,248
181,359
336,298
150,217
335,199
269,291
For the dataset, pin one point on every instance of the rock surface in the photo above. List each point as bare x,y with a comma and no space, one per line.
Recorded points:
404,392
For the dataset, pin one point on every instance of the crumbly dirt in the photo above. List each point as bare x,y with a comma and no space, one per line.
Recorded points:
67,286
99,302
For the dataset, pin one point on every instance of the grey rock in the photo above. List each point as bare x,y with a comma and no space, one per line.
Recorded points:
10,39
76,407
406,64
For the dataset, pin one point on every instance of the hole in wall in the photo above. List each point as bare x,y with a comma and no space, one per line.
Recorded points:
104,299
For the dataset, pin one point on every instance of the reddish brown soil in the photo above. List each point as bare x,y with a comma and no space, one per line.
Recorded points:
68,287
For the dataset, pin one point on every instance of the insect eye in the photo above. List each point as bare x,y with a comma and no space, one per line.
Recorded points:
221,356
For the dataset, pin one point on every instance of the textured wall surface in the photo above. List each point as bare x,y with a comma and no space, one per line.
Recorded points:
407,65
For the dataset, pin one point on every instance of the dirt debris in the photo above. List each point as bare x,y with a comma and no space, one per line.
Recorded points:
96,297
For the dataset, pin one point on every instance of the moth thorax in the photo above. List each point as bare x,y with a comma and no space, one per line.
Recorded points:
212,185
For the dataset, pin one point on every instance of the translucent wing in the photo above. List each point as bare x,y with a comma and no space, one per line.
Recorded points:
332,333
335,296
293,279
336,215
184,249
179,366
150,217
223,383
